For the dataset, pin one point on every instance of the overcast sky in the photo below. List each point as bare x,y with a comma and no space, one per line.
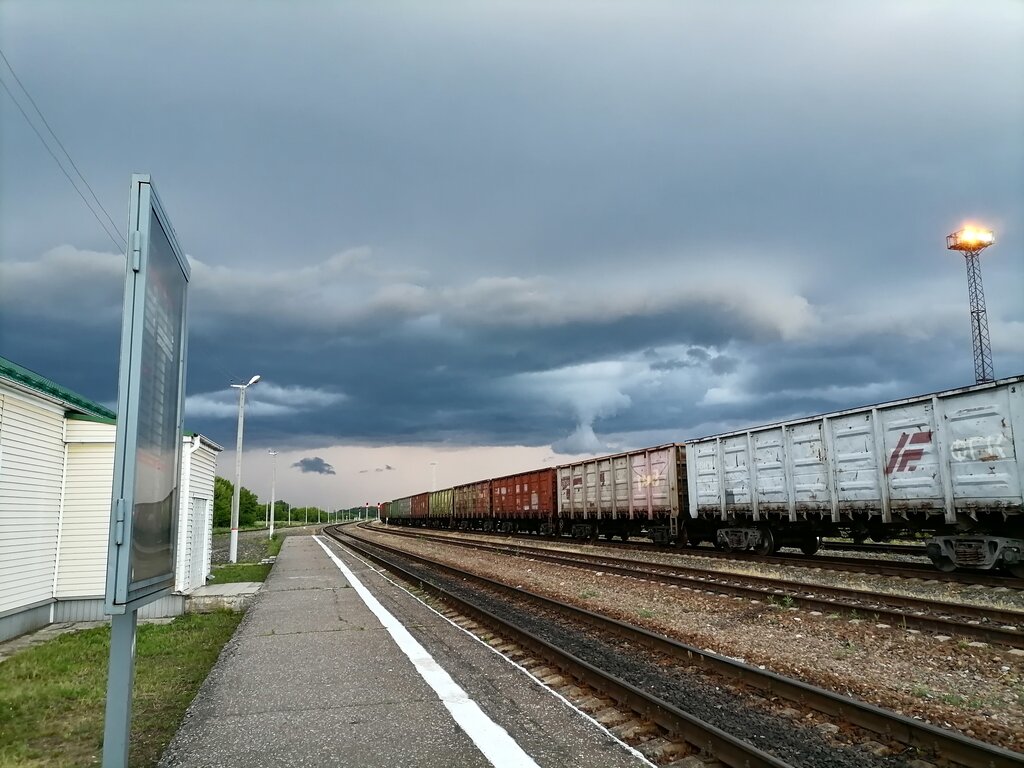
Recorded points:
493,235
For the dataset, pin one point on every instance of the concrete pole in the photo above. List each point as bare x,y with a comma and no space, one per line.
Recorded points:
273,490
236,496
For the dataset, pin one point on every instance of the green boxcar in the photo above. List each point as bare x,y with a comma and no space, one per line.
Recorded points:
441,504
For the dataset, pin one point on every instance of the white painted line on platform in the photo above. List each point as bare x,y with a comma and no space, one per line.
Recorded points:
500,749
540,683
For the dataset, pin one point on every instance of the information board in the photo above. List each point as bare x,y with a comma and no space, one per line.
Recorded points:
150,401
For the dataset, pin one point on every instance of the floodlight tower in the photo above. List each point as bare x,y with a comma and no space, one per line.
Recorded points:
971,242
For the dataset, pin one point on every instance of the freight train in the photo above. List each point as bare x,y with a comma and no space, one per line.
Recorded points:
948,464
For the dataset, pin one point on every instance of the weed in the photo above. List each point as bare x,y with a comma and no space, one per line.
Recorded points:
846,649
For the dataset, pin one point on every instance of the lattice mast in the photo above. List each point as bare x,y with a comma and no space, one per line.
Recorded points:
971,242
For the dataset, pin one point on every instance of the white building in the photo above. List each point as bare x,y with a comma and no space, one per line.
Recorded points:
56,472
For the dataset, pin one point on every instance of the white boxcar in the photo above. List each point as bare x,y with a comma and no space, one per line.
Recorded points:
623,494
951,463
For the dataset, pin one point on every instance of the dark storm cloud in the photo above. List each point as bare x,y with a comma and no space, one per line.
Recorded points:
315,465
519,223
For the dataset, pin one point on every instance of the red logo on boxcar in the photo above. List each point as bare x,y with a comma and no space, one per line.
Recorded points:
901,457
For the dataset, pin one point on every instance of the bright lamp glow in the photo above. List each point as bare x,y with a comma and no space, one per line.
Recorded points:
970,239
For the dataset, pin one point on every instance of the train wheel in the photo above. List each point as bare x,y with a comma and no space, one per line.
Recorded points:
810,545
944,564
767,543
1016,570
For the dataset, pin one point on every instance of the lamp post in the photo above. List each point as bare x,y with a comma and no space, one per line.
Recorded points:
273,489
433,475
236,496
971,242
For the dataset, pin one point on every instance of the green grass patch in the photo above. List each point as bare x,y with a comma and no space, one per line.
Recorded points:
274,545
229,574
53,696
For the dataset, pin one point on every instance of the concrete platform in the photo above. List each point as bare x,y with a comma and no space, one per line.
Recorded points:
235,596
313,678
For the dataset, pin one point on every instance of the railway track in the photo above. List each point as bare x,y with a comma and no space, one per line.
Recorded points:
913,550
895,568
704,734
981,623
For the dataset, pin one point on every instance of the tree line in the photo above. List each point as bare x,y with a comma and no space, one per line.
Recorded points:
252,511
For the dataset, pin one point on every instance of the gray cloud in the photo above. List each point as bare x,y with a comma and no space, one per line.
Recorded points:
315,465
580,226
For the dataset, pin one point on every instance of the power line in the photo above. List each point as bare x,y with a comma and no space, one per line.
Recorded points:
116,238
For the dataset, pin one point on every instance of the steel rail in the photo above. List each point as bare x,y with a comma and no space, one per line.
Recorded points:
703,736
807,595
897,568
916,550
952,746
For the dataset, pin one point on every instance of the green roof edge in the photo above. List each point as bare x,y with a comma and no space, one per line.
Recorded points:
43,385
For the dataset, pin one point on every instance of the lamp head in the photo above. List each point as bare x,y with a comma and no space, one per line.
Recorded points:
253,380
970,239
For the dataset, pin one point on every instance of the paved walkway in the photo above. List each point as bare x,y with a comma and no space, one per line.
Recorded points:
325,671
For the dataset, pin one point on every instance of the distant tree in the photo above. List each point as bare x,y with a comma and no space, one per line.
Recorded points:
249,508
281,508
222,491
250,511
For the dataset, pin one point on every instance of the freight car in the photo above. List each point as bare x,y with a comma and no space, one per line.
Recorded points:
950,464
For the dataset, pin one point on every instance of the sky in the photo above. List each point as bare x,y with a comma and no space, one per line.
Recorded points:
459,239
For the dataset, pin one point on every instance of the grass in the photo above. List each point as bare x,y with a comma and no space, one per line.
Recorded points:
234,572
274,545
53,696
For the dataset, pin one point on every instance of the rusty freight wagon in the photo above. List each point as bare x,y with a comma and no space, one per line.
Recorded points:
441,508
625,494
472,506
420,508
400,511
525,502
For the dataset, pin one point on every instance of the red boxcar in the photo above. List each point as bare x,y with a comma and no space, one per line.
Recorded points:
473,501
526,496
420,506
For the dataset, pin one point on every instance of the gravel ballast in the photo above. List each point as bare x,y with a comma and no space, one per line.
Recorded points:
974,688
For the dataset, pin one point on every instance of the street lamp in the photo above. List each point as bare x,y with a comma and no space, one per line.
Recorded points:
433,475
236,496
971,241
273,489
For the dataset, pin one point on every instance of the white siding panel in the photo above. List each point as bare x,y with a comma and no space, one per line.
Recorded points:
83,556
195,513
31,468
83,431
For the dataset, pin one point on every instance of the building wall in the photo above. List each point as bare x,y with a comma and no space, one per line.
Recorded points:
85,519
204,469
31,481
56,475
195,524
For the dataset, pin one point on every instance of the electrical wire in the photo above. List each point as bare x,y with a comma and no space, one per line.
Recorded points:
116,238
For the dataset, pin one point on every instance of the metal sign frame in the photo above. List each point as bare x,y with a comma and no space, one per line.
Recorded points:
143,311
